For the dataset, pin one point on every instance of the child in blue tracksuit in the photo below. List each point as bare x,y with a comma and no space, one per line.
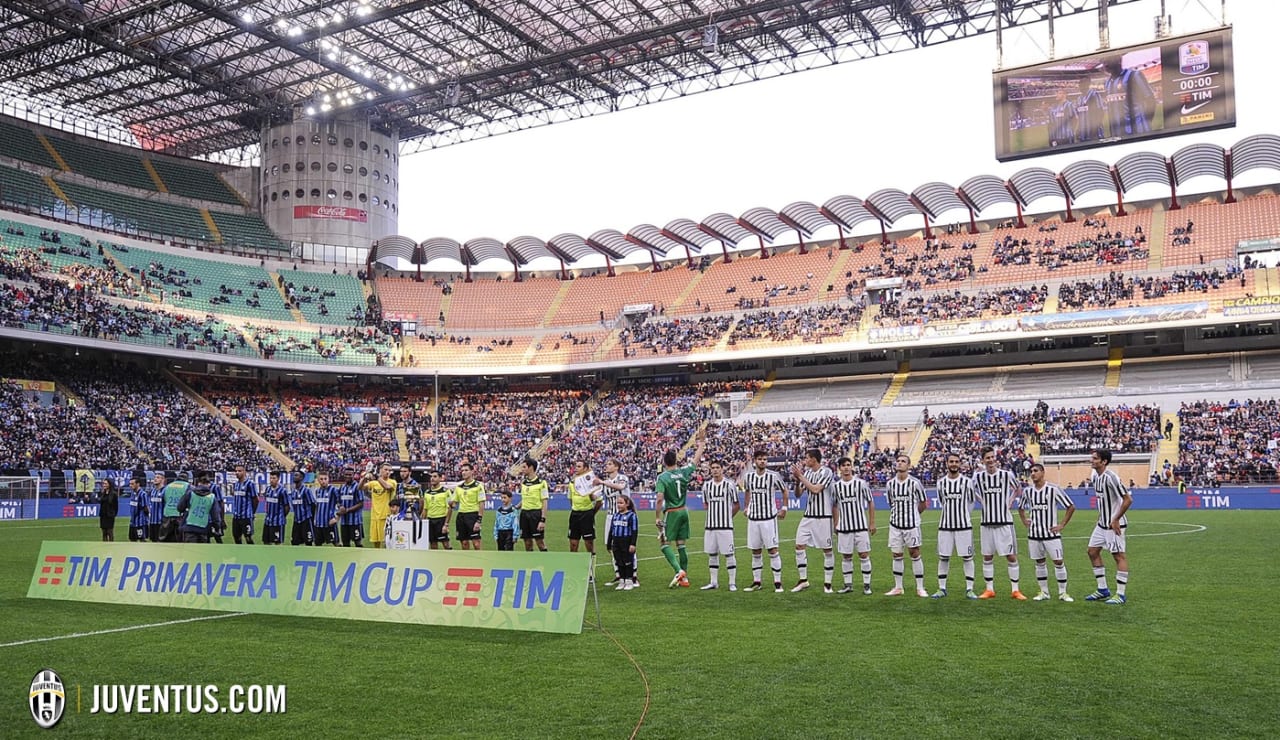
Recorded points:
623,534
506,525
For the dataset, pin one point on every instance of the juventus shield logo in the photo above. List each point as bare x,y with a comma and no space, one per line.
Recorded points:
47,698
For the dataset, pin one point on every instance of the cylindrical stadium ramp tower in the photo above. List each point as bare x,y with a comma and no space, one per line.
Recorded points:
331,184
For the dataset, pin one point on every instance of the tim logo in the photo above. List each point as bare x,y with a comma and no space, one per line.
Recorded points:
51,572
1193,57
452,587
47,698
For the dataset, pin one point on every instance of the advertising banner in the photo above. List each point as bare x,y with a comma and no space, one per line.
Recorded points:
339,213
1251,306
546,592
1115,317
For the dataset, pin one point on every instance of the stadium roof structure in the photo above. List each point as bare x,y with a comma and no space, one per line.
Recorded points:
844,212
203,77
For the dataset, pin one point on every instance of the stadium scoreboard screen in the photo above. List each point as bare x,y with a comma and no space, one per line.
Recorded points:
1162,88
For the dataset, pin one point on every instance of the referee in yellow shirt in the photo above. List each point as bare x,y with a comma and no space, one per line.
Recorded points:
380,490
470,497
534,494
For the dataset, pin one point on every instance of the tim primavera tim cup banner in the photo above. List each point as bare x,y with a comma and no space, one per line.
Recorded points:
543,592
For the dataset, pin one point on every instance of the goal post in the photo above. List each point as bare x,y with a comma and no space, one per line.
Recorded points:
19,497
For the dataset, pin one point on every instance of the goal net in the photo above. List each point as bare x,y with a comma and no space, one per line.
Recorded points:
19,498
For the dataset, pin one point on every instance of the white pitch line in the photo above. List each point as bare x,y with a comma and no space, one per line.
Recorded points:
1194,529
42,526
122,629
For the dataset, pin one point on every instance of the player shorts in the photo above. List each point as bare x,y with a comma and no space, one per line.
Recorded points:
718,542
955,541
1107,539
850,542
506,539
195,538
272,534
465,524
378,529
998,539
1041,549
352,535
154,532
762,534
242,528
324,535
437,529
608,530
814,532
529,520
138,534
582,525
677,526
302,533
900,539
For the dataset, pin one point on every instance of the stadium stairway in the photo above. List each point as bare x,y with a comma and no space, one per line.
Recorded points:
606,346
402,443
835,276
1168,449
723,344
213,227
275,453
1050,303
689,289
1033,449
48,146
57,191
920,444
1156,239
72,396
1273,281
556,302
1115,358
284,407
446,301
155,176
895,387
294,311
868,320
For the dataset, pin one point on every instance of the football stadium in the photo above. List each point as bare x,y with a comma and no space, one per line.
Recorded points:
275,460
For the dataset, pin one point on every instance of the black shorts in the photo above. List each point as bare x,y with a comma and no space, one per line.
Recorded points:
582,525
465,526
324,535
352,535
196,537
436,527
154,532
302,534
529,520
137,534
272,534
242,528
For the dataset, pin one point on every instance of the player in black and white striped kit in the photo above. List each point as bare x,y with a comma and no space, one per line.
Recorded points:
720,499
613,485
854,510
998,489
1039,513
815,527
763,486
907,502
956,496
1113,501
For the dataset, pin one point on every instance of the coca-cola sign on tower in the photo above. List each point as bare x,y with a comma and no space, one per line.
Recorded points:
341,213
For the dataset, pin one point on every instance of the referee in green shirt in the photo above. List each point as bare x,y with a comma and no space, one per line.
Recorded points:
673,512
534,493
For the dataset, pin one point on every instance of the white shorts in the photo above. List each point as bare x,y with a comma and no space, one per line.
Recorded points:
814,532
718,542
850,542
903,538
1041,549
608,526
762,535
998,540
1107,539
959,541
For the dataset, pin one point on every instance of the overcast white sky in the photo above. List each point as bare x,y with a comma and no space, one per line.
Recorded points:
894,121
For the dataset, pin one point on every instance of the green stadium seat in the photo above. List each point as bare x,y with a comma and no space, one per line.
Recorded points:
247,230
101,163
183,272
340,294
133,215
20,142
194,182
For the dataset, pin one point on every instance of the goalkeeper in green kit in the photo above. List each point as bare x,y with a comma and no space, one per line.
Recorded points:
673,514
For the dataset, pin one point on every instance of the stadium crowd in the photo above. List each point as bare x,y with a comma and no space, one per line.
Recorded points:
811,324
1115,290
1123,429
1229,442
672,336
957,306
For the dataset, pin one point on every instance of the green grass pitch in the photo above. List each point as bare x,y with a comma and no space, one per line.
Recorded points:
1193,654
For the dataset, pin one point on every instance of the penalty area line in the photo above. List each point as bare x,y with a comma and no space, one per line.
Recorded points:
130,628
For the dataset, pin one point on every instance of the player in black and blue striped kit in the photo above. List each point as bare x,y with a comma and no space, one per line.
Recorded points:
155,499
324,520
276,507
350,510
244,506
139,516
302,505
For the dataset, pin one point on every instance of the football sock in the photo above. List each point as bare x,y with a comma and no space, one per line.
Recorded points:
897,571
731,562
828,567
670,555
757,565
802,564
1013,576
989,574
944,569
1122,580
866,571
775,564
684,558
1100,573
714,563
1042,577
846,568
917,570
968,574
1061,572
